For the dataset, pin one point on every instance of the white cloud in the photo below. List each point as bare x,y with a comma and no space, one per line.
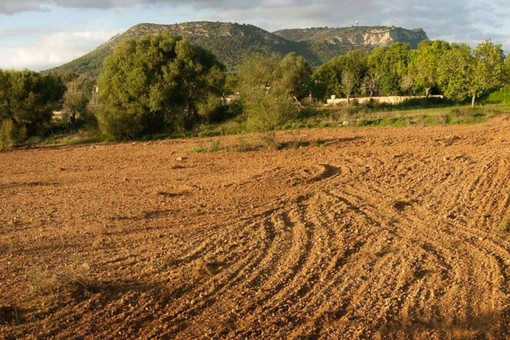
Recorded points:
52,50
15,6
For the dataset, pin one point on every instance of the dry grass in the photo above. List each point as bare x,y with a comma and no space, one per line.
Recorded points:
60,285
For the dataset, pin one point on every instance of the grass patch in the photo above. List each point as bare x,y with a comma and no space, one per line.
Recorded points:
59,286
241,146
500,96
214,146
269,140
319,142
77,138
85,140
409,117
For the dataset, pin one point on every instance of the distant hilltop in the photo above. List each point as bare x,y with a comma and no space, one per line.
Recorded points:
327,42
231,42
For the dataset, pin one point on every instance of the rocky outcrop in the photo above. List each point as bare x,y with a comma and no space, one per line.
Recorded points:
364,36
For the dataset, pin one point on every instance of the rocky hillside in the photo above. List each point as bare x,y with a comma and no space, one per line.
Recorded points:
330,42
231,42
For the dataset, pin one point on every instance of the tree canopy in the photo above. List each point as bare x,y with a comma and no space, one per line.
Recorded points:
271,89
453,69
77,97
156,84
28,99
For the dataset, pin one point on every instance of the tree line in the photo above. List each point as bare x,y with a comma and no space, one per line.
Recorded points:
165,84
452,69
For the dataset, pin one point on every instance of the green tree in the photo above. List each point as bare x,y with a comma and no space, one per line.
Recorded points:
354,68
294,73
455,72
389,65
231,84
326,80
4,94
425,62
489,69
28,100
77,97
463,73
156,84
268,87
506,74
341,75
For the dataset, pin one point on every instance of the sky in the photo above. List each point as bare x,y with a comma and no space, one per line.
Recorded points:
41,34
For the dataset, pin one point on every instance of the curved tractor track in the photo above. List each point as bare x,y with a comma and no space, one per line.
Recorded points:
378,234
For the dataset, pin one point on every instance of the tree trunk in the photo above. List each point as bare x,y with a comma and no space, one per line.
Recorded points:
427,92
190,117
473,100
73,120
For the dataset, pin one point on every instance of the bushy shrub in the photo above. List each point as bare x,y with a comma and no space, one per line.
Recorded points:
270,89
10,134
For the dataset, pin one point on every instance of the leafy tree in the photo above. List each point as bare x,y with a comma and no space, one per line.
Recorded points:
463,73
425,63
354,69
4,94
198,75
455,72
326,80
294,73
268,87
489,69
156,84
77,97
28,99
231,84
506,74
389,65
342,75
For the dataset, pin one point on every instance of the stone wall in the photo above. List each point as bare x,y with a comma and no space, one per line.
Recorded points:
392,100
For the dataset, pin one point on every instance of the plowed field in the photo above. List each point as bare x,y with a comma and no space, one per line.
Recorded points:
377,233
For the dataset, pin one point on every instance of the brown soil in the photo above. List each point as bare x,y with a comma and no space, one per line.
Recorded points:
379,233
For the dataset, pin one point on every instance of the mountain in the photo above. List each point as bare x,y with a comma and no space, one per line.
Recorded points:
231,42
327,43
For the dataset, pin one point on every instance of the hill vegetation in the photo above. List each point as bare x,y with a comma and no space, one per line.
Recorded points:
327,43
165,85
232,42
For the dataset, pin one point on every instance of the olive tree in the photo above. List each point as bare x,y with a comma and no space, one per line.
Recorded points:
155,84
269,88
77,97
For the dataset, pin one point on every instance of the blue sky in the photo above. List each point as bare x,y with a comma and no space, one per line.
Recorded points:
40,34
